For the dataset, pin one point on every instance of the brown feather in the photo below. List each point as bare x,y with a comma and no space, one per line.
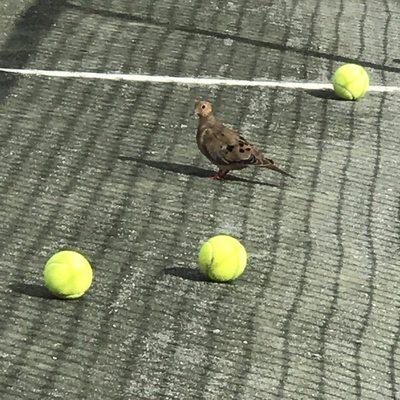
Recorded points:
225,147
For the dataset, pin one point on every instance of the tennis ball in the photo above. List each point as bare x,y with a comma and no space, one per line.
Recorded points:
350,81
67,274
222,258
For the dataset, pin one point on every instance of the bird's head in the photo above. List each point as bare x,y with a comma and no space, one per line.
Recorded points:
203,108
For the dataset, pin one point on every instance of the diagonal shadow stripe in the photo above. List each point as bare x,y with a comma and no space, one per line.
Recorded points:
221,35
210,362
395,345
371,237
24,40
301,282
245,365
340,217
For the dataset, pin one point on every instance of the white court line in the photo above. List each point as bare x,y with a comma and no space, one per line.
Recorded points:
189,81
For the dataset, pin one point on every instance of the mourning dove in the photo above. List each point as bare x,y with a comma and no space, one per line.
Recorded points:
224,147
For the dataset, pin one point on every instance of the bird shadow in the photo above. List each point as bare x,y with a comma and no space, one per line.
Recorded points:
328,94
191,275
191,170
186,273
32,290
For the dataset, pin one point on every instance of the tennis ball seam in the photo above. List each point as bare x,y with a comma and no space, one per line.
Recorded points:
237,259
68,274
356,78
210,264
221,258
222,261
359,77
346,90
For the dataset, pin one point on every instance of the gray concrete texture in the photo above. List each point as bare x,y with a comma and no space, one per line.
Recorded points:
111,169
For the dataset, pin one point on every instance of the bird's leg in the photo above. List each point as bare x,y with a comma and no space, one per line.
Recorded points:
220,174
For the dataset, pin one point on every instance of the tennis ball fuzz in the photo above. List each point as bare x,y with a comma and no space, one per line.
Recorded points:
67,274
222,258
350,81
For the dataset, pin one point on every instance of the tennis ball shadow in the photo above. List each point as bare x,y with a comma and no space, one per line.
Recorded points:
186,273
328,94
32,290
192,275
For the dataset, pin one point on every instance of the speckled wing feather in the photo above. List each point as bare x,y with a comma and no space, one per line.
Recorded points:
226,147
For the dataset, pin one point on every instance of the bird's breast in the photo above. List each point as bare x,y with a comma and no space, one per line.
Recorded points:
202,141
200,137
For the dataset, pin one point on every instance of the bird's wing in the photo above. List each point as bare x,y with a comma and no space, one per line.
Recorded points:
225,146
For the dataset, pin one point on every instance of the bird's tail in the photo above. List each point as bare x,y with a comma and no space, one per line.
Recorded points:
270,165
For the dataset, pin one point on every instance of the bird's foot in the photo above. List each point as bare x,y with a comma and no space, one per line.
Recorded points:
218,176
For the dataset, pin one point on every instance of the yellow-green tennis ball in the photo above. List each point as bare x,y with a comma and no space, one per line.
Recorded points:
67,274
350,81
222,258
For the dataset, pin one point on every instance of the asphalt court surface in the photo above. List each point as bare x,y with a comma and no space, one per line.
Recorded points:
112,169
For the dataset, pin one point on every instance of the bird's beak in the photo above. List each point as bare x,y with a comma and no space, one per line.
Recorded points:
196,102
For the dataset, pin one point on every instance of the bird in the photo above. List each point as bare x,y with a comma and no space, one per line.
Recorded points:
225,147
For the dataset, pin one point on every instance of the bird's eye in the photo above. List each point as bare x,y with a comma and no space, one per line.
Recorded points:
203,106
